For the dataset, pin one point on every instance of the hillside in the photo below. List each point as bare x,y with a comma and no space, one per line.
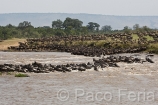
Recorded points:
45,19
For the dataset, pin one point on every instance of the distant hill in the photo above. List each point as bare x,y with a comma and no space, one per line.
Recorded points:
45,19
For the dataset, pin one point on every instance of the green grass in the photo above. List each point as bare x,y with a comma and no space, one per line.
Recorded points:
149,38
21,75
135,37
153,48
100,43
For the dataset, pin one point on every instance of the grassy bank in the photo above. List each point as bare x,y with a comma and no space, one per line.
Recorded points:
21,75
108,43
10,42
153,48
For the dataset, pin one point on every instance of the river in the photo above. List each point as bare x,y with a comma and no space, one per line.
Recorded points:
130,84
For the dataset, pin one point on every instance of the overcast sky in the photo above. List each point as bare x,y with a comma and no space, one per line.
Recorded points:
105,7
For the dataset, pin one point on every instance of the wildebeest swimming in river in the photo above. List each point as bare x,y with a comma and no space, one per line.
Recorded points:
110,61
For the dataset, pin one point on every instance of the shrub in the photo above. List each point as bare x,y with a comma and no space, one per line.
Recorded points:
21,75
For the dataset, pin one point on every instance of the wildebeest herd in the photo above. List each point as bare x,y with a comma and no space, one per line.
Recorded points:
97,64
86,44
78,45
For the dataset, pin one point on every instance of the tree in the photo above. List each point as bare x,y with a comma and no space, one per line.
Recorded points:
93,26
69,30
96,26
145,28
77,24
10,26
73,23
58,24
59,32
84,30
136,27
90,26
106,28
25,24
72,26
4,33
127,29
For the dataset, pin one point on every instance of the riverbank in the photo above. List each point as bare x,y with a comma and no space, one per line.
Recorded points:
92,45
10,42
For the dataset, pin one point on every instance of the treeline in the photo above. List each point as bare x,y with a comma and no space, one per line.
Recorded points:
67,27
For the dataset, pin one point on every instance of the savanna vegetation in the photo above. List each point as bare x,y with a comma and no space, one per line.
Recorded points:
67,27
103,37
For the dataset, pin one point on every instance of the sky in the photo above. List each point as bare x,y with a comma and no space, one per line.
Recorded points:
104,7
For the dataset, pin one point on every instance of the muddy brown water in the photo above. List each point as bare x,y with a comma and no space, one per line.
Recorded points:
130,84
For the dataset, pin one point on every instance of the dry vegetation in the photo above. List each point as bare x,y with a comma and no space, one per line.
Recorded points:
10,42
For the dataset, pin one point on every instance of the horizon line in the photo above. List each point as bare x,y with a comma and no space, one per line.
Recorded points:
71,13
